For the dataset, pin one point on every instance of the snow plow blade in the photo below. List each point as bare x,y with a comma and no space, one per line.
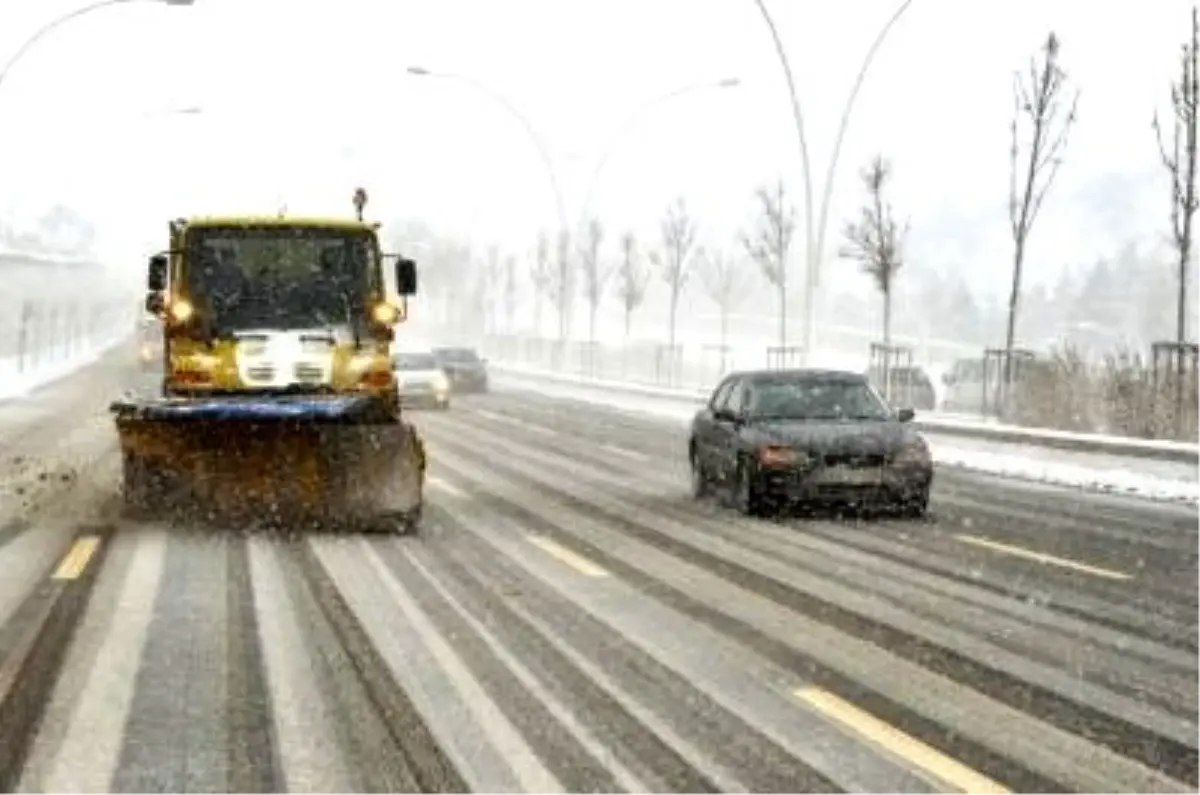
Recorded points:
287,460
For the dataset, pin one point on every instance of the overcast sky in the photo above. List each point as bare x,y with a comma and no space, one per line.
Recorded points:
304,99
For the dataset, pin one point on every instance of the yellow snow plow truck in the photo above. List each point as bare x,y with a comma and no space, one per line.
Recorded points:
278,400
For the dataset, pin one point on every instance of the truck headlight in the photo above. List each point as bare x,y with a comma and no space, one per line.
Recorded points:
385,314
181,311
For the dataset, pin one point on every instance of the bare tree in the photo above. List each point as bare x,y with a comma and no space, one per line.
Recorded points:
562,285
770,242
632,279
510,293
876,240
541,276
679,236
1180,162
1040,101
595,273
724,282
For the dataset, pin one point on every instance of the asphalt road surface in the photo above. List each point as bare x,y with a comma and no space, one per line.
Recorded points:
569,619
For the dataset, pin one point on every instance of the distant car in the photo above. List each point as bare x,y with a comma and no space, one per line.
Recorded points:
910,387
150,344
421,380
772,437
467,371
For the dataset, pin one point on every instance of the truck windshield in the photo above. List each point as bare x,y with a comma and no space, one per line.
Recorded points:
280,277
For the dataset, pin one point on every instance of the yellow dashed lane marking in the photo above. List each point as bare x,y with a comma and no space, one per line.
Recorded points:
927,759
577,562
77,558
446,486
1042,557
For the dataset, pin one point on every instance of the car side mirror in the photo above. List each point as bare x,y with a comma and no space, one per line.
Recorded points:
906,415
156,273
947,378
155,303
724,415
406,277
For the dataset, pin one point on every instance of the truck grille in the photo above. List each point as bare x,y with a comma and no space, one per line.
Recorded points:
309,373
262,372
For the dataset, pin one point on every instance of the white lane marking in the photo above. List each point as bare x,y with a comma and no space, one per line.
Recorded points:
298,715
622,451
507,420
446,486
87,758
1042,557
626,780
505,738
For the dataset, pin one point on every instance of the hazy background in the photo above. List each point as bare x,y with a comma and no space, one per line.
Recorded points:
305,99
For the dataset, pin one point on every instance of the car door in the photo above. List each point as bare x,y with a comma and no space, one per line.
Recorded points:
704,427
727,433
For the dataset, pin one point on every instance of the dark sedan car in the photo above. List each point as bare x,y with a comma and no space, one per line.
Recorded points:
466,370
807,436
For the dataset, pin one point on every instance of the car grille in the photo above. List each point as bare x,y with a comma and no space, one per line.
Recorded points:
854,461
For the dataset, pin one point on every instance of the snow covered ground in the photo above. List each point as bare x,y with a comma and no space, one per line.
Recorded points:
1145,478
14,383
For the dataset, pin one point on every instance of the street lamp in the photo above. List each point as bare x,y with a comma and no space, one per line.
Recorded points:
630,120
539,144
50,26
815,248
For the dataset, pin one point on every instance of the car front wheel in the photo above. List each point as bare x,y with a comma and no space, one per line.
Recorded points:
700,481
747,496
914,505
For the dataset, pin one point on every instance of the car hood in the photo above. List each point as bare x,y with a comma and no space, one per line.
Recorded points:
836,438
463,367
419,375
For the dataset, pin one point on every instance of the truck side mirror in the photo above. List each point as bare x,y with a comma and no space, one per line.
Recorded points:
406,277
156,273
155,303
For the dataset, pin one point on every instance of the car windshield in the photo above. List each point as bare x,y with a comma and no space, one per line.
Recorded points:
816,399
415,361
256,277
459,355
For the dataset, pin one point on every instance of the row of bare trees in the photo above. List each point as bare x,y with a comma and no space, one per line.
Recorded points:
1045,112
875,240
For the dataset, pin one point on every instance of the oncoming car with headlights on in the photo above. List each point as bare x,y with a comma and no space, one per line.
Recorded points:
421,380
774,437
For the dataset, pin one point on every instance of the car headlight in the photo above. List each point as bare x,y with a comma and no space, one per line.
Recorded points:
441,383
778,455
915,451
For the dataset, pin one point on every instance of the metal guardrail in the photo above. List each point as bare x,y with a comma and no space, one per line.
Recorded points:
1175,452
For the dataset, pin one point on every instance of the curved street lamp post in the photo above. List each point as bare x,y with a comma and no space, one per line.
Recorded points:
62,19
539,144
815,237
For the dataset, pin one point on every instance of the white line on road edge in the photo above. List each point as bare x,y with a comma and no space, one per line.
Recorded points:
621,451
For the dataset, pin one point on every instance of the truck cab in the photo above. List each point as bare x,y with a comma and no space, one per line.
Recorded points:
277,305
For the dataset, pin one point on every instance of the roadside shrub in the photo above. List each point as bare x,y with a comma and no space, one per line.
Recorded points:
1120,396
